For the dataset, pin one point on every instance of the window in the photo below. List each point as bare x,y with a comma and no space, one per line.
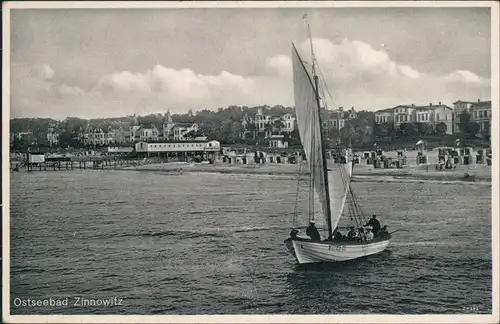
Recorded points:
437,117
486,113
480,114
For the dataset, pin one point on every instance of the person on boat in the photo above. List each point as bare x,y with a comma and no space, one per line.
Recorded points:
351,235
369,235
375,224
337,236
383,232
361,234
293,233
312,231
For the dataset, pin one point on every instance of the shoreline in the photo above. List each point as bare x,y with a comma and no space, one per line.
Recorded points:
361,173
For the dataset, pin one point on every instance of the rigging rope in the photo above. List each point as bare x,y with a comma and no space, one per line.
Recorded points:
325,84
296,197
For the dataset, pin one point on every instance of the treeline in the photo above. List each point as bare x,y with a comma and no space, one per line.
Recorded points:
225,125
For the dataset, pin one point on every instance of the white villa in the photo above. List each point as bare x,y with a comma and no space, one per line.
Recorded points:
262,122
480,112
430,114
337,118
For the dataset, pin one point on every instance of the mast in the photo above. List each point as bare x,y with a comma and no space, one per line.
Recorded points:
322,141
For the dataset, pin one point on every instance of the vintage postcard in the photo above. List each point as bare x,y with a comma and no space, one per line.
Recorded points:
250,162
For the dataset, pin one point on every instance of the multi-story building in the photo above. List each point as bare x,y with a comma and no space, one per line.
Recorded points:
262,122
180,130
259,120
147,134
288,122
52,136
94,136
480,112
430,114
337,118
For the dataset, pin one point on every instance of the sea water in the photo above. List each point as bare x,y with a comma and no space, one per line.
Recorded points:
213,244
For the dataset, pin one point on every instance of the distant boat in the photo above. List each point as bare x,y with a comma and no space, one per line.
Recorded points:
328,184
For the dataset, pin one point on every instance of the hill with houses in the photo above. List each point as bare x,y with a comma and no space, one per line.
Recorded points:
262,126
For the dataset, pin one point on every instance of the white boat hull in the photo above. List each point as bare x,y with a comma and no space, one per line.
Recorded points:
306,251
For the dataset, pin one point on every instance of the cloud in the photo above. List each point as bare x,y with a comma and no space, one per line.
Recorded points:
42,72
368,78
465,77
281,64
176,87
65,91
357,75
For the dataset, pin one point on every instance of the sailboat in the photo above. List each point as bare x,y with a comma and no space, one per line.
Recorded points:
329,183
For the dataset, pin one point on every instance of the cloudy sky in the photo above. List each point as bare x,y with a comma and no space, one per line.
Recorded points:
113,62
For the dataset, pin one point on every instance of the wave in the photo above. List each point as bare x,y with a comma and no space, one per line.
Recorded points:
181,234
391,179
479,263
257,229
196,233
425,243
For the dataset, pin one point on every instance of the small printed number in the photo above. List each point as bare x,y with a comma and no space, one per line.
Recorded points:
471,308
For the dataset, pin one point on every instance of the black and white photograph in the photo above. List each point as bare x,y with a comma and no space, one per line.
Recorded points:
177,161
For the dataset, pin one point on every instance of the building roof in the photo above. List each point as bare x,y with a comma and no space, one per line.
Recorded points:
461,101
412,106
184,124
480,104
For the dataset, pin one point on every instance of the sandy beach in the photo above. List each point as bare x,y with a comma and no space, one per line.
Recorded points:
362,172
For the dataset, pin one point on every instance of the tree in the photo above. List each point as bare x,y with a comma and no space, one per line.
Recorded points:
235,131
408,129
473,129
381,130
252,128
486,132
464,121
441,128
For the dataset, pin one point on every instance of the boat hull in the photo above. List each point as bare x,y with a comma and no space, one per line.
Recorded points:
307,251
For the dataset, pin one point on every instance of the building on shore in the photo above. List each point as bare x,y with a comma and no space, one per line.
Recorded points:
206,150
480,112
338,118
277,141
260,122
431,115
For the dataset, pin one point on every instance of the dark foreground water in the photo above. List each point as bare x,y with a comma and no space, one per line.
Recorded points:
213,243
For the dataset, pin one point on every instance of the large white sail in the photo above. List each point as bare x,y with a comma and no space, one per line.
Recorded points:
339,177
306,108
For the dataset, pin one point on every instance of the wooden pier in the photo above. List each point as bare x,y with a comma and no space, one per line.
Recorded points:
70,164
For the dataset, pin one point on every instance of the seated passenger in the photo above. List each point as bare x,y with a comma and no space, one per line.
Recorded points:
312,231
351,235
375,224
293,233
337,236
369,235
383,232
361,235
